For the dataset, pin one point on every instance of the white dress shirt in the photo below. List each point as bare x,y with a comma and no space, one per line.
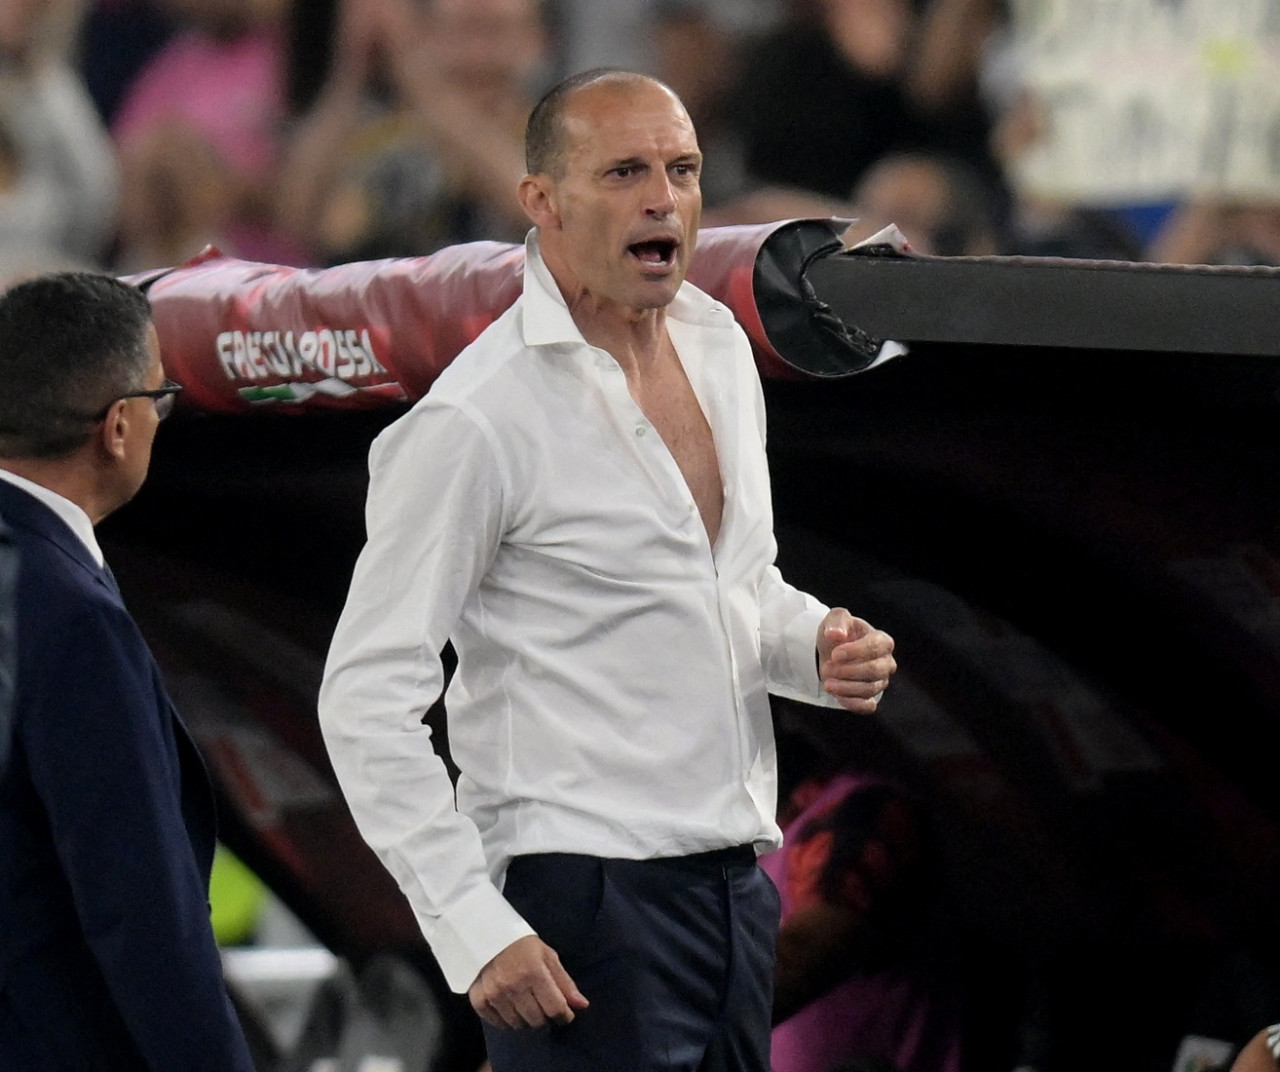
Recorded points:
613,668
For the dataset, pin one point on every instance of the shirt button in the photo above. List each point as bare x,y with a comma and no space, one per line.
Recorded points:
640,429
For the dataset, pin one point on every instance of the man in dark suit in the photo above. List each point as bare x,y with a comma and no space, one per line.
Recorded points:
107,956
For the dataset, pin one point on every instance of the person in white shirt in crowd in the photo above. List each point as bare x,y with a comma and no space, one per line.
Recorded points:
58,178
582,505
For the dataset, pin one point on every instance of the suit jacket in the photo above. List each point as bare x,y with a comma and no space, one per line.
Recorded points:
107,833
8,575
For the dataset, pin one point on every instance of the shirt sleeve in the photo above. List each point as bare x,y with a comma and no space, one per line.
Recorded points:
434,519
789,621
789,618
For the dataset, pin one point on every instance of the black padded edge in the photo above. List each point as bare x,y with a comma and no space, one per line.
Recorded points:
1054,302
800,326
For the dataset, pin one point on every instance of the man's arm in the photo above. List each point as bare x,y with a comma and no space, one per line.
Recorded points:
434,521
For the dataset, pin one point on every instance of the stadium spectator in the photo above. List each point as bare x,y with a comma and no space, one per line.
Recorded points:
198,137
856,977
942,205
964,52
827,94
117,39
1213,231
621,33
415,141
58,182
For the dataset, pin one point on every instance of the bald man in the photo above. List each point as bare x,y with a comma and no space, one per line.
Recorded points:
581,505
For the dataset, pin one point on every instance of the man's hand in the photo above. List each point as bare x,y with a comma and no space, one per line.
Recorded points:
855,661
525,986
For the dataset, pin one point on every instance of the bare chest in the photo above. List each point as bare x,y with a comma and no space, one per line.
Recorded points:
671,406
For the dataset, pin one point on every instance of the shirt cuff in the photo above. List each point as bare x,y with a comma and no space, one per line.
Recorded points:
801,643
476,929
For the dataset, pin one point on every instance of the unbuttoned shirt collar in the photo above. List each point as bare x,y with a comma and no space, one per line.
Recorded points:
74,517
548,321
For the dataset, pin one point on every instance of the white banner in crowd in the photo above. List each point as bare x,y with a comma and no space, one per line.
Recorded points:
1151,100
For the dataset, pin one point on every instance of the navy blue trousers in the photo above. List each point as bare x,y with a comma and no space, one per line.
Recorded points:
675,956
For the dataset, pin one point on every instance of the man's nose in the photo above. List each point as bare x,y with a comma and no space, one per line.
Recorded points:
660,196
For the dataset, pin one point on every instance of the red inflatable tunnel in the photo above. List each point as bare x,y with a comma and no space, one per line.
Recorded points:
241,335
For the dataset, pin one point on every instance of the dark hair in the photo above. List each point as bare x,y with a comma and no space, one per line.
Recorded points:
544,133
973,205
70,343
973,209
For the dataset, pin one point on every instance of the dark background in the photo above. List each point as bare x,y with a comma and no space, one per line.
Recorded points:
1076,552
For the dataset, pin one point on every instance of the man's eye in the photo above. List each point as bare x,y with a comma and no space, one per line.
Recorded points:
624,172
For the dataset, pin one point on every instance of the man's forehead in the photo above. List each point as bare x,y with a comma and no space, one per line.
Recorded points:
606,115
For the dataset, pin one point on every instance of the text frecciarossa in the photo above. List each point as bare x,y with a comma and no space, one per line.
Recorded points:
255,355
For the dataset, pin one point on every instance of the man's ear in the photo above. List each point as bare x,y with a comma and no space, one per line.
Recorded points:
114,430
537,195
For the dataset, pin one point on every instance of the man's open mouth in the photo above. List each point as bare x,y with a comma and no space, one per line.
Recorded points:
655,253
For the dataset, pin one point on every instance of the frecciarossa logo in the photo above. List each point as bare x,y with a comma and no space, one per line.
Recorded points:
347,354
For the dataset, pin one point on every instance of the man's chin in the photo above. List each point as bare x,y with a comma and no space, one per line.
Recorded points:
659,290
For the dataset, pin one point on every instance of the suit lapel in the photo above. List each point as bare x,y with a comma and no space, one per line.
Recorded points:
25,511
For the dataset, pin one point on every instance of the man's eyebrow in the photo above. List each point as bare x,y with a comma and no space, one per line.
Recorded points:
693,157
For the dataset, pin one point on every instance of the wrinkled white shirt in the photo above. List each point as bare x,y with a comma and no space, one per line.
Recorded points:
611,690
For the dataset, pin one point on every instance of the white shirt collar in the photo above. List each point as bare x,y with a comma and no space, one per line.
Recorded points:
74,517
547,319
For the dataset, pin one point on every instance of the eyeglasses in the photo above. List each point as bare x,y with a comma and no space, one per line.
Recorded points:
162,397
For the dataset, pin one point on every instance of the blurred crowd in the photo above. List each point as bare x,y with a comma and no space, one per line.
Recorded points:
133,133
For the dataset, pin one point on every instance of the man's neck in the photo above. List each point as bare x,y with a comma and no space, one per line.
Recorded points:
62,477
635,339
